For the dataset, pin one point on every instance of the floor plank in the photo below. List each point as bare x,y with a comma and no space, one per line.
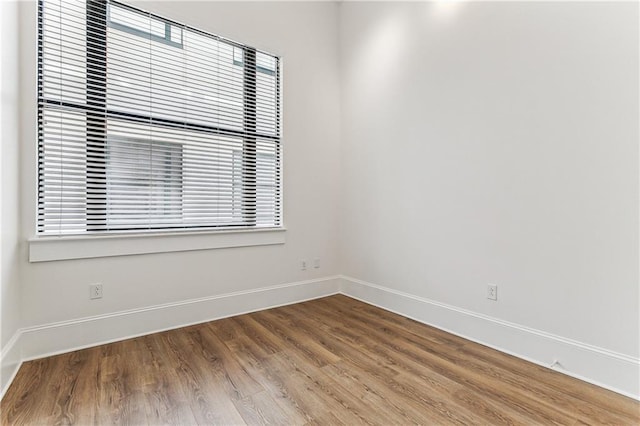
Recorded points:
328,361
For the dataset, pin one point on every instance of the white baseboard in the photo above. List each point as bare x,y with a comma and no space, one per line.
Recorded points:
51,339
10,362
617,372
611,370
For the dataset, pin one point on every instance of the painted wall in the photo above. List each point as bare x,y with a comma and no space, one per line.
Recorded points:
429,148
9,195
496,143
305,36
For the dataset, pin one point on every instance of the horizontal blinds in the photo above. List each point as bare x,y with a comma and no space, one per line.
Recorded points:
147,124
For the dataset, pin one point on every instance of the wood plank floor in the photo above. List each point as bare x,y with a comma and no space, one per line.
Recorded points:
329,361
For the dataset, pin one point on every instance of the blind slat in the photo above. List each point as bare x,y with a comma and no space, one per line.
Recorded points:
148,124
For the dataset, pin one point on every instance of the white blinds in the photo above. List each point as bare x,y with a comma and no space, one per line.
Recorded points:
146,124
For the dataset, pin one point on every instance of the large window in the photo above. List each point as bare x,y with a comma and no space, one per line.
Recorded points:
147,124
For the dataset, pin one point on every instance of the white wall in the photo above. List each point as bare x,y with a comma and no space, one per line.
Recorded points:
305,36
429,148
496,143
9,198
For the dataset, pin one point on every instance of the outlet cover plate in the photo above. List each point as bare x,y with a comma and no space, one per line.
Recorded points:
492,292
95,291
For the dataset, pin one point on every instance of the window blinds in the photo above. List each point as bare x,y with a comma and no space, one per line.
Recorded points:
147,124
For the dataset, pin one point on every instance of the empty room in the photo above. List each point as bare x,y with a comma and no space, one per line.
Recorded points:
319,212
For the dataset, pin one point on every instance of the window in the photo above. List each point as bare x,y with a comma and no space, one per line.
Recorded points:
146,124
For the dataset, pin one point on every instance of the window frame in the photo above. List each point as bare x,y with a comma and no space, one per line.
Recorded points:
98,113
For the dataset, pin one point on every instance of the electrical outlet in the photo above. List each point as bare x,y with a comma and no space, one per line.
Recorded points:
316,262
95,291
303,265
492,292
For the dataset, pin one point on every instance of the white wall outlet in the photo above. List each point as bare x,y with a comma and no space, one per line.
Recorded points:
95,291
303,265
316,262
492,292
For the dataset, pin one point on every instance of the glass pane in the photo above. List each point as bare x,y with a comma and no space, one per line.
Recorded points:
136,21
197,83
176,34
144,183
63,172
64,52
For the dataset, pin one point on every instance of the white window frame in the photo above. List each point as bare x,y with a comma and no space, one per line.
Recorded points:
62,247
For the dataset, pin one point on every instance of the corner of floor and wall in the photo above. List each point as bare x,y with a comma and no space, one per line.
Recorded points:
494,144
596,365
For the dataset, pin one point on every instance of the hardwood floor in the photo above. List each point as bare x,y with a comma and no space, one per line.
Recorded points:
330,361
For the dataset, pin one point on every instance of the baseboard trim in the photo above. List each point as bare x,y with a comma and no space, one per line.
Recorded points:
610,370
599,366
10,362
55,338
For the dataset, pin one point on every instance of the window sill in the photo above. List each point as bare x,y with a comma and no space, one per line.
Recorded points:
44,249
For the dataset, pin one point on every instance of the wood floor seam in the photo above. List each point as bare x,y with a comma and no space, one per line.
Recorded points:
329,361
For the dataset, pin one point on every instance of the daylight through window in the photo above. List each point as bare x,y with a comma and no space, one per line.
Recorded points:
147,124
